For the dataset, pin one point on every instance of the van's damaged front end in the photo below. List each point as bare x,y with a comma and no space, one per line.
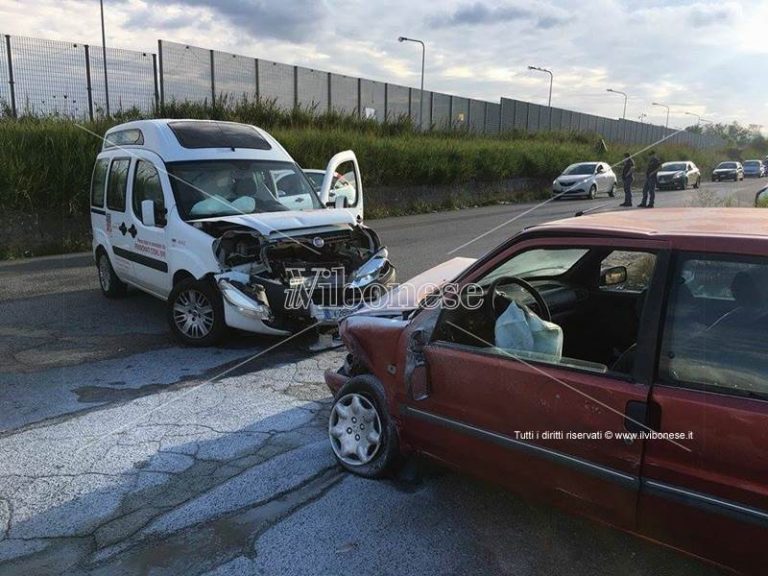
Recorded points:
279,282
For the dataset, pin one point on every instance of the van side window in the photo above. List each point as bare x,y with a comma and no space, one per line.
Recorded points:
98,180
147,186
717,326
118,183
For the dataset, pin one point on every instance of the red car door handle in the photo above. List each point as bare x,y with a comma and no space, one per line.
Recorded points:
642,416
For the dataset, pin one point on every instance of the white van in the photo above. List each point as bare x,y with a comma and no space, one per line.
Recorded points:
217,219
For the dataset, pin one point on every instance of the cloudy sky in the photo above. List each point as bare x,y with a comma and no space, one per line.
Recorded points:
708,58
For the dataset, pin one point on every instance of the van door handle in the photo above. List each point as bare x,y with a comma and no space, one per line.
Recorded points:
122,228
132,231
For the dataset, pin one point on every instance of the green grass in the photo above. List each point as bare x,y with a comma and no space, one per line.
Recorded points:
45,163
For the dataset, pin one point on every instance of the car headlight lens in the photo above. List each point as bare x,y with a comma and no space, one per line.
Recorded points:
243,303
371,270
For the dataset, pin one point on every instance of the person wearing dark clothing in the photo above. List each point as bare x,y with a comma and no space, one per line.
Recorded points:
627,176
649,190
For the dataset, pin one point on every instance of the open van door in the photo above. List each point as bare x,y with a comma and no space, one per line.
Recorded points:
342,187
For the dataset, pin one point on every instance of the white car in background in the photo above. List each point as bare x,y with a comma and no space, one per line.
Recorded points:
585,179
342,185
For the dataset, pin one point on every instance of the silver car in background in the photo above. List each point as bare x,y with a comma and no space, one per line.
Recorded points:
585,179
678,175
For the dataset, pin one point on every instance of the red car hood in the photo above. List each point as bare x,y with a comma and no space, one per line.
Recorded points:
407,296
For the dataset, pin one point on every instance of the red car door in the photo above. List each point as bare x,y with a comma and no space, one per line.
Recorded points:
542,428
712,386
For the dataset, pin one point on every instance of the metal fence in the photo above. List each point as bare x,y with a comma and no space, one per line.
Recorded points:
47,77
44,77
532,118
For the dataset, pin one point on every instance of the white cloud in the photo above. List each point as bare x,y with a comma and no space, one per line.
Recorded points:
700,56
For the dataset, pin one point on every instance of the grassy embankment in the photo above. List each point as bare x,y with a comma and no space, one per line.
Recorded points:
45,164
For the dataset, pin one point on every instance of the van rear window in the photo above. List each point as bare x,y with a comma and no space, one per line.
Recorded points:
217,135
98,180
130,137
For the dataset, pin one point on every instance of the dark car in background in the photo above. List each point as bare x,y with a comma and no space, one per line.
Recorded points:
754,168
728,171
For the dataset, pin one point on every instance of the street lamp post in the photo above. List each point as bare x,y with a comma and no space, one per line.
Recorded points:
104,57
698,117
549,101
421,94
663,106
551,78
624,115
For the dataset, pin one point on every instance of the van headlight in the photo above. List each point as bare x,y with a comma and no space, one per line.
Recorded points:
242,303
371,270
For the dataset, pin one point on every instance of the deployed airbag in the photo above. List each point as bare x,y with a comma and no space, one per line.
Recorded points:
518,328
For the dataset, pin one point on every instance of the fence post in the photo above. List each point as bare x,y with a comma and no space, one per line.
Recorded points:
154,78
160,57
410,97
213,81
256,68
386,101
485,118
359,98
88,81
330,95
295,87
10,75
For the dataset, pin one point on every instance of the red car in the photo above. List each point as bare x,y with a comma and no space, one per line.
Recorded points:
612,364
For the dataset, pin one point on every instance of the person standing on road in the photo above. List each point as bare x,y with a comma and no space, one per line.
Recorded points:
627,176
649,190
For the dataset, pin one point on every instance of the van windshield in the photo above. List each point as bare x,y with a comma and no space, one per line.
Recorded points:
211,188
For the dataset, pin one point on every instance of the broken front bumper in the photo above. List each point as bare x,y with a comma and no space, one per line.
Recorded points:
276,309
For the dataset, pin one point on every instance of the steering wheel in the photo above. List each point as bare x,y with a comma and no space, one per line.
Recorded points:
493,293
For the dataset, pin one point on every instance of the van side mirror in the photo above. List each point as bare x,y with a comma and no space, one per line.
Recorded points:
613,276
340,202
599,169
148,213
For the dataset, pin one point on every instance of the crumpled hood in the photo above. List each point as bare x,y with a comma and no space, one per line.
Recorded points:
406,296
267,222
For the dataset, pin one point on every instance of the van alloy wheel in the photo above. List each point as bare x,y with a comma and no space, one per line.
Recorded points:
105,274
111,286
193,314
354,429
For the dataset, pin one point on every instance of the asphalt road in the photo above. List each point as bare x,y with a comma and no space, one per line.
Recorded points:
122,454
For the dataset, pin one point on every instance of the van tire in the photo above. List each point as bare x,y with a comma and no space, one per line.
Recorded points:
111,286
196,304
